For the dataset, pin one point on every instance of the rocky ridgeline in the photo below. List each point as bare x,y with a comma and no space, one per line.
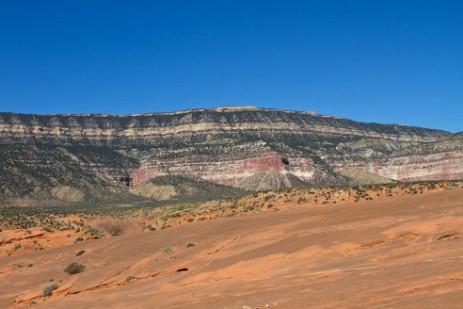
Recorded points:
196,126
244,147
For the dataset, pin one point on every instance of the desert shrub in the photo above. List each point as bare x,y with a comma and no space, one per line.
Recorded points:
75,268
80,252
175,215
190,244
48,290
269,197
168,250
80,238
94,232
248,208
129,278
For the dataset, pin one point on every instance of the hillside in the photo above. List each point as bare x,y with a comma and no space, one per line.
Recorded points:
62,174
186,189
72,158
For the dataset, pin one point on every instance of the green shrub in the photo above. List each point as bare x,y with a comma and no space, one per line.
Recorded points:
75,268
94,232
168,250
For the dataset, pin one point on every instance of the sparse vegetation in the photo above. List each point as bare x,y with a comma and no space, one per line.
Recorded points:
48,290
169,250
32,219
75,268
129,278
94,232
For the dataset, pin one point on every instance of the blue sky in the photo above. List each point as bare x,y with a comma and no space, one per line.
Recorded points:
375,61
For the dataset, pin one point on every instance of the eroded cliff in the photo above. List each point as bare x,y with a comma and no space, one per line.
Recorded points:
245,147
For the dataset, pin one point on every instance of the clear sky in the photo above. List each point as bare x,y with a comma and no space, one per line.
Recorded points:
376,61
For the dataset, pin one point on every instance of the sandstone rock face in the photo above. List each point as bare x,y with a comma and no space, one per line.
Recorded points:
244,147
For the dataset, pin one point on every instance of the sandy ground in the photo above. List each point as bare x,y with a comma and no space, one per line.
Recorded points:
400,252
17,242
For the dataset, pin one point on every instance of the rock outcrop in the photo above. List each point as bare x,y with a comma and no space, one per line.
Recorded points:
440,160
196,126
244,147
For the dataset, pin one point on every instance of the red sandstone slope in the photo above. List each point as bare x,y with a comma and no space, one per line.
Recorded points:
397,253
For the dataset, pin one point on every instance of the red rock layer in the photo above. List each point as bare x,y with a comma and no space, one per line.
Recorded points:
227,170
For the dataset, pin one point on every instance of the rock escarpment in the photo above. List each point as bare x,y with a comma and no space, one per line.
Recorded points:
440,160
251,165
196,126
245,147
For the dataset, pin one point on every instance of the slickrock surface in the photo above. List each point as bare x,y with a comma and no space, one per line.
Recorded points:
400,252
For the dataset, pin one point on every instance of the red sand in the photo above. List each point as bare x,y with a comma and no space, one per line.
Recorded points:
402,252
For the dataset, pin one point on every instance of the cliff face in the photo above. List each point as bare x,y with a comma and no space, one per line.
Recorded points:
252,166
244,147
195,126
440,160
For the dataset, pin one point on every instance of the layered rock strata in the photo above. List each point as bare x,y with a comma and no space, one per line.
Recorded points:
245,147
195,126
